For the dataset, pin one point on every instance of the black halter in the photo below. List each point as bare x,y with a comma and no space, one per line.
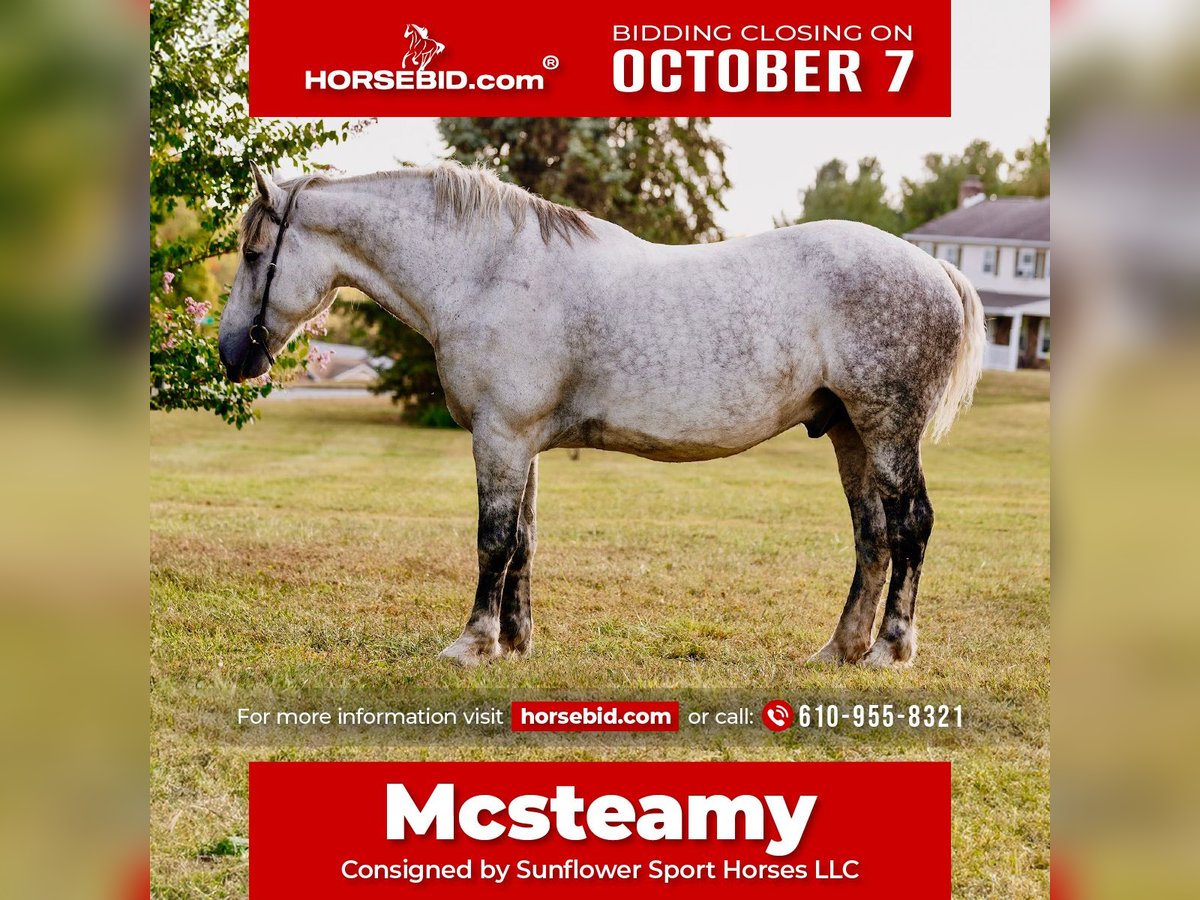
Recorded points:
259,335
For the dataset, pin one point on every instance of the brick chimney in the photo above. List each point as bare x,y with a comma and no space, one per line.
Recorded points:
969,187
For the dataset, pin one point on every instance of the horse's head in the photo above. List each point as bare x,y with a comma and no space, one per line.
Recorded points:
411,30
301,287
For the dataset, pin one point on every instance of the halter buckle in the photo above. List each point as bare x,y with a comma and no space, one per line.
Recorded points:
259,334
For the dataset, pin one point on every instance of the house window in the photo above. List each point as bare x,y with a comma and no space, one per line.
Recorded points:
999,329
952,253
991,260
927,247
1031,263
1043,340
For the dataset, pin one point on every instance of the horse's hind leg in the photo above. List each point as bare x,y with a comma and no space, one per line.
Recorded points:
516,613
852,637
896,466
502,464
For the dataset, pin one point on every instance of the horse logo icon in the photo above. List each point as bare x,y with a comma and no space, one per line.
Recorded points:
421,47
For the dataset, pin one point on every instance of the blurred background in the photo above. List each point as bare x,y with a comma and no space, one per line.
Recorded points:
73,632
73,543
1126,104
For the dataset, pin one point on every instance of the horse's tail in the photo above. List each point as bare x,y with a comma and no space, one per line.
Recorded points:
968,358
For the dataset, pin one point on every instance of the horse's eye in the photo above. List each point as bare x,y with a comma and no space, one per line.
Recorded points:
251,255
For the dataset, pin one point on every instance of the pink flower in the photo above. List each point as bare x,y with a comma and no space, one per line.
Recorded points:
318,326
168,277
198,311
169,342
318,358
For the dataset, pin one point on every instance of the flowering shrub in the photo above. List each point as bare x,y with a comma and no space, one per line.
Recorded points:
197,310
317,358
318,326
185,366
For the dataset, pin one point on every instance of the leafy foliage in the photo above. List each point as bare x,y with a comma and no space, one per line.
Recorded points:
661,178
935,191
186,372
412,379
201,143
835,196
1030,173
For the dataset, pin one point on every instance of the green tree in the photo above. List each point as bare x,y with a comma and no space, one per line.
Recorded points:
1030,171
833,195
935,191
202,141
661,178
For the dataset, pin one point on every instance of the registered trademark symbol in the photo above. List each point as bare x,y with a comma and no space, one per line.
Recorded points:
550,62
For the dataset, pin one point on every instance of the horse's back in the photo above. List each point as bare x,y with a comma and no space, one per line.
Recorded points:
703,351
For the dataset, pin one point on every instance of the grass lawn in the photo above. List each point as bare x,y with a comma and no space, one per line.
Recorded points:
327,547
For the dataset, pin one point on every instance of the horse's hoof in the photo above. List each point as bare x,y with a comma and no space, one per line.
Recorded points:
514,651
469,651
516,644
829,655
888,655
837,654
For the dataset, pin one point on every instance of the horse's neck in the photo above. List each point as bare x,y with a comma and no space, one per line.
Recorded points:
402,255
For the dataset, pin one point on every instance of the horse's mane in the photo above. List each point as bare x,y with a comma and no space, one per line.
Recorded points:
475,194
472,194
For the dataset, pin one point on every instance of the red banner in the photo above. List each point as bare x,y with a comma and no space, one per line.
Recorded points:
548,830
595,715
380,58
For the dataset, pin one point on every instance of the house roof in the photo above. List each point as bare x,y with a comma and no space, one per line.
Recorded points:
358,372
996,302
347,352
1002,218
346,358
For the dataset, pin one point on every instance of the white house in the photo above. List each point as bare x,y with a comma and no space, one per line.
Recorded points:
1003,246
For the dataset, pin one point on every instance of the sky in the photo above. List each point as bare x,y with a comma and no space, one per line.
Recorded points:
1001,93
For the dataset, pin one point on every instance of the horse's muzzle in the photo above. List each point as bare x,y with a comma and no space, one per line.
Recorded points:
244,361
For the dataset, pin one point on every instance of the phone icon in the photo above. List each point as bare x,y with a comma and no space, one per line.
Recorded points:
778,715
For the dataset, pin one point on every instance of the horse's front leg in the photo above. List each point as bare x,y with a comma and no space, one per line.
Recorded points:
516,607
502,463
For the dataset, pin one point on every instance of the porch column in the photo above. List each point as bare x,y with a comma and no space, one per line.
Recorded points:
1014,343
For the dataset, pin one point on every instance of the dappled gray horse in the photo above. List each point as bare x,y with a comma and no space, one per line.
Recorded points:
556,329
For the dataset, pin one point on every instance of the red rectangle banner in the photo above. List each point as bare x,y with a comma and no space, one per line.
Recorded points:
595,715
380,58
543,830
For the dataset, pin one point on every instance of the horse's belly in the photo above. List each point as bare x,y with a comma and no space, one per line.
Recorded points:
683,436
698,389
658,444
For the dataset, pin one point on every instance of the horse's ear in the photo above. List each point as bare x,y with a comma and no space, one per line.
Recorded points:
270,192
